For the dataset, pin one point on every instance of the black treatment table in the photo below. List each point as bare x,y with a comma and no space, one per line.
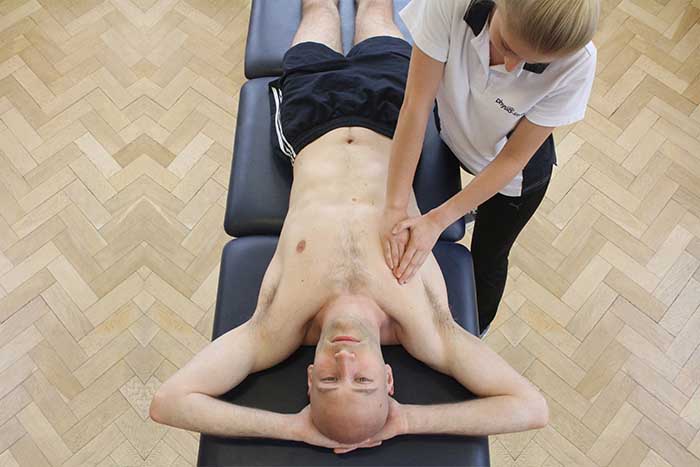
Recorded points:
257,204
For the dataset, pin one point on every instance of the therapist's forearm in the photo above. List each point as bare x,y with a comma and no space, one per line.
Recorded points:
519,149
489,182
405,153
478,417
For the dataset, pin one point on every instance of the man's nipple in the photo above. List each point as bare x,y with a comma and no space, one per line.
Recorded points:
301,245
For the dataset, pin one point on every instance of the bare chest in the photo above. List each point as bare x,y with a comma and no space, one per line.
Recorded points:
332,246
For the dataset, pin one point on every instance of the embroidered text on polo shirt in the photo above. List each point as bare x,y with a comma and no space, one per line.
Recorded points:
508,108
474,125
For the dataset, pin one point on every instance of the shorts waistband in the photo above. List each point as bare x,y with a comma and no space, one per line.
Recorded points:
346,121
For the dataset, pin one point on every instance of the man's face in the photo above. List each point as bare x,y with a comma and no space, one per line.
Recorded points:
349,383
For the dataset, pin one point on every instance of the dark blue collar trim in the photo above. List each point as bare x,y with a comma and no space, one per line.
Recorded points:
477,16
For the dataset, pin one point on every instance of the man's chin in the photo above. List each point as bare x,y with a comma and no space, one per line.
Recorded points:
346,329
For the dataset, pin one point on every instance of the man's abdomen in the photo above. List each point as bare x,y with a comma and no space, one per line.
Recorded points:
345,166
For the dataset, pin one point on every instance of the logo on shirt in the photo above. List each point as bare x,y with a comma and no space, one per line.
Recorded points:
507,108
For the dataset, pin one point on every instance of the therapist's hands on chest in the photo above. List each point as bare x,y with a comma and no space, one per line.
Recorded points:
424,233
425,230
393,245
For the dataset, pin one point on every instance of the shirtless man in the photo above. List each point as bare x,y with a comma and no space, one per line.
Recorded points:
328,283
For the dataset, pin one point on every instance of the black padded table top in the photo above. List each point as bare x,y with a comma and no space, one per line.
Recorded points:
283,387
273,24
258,196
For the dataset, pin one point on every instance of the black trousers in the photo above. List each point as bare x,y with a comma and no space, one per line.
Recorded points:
498,223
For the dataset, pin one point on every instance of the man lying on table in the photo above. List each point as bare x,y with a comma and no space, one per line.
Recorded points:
328,283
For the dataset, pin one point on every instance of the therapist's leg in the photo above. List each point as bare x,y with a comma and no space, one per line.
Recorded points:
498,223
320,22
375,18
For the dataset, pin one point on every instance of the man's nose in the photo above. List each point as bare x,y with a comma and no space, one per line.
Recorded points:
345,360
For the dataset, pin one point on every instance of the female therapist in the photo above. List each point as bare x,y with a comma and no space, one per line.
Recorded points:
505,73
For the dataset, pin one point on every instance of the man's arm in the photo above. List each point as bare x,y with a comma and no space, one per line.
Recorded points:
188,398
507,402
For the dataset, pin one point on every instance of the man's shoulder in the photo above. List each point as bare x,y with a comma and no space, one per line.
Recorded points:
426,318
284,303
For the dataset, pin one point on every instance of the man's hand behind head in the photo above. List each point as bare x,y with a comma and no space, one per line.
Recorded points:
396,424
306,431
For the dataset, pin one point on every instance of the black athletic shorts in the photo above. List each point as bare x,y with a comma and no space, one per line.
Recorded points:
321,90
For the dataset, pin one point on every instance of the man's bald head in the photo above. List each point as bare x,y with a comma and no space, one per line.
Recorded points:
349,382
349,417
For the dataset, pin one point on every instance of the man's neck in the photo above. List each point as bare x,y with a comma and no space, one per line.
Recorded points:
359,307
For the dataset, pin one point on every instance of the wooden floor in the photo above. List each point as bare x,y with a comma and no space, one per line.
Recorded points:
116,124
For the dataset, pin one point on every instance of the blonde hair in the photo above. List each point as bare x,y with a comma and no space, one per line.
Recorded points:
551,26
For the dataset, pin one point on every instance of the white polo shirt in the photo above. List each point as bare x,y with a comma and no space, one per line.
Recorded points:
480,104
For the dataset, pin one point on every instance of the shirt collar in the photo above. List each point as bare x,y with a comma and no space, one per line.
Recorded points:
476,17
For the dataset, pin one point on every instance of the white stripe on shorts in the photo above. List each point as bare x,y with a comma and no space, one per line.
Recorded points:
284,145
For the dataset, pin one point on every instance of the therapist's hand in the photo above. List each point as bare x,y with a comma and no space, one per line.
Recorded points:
424,233
393,245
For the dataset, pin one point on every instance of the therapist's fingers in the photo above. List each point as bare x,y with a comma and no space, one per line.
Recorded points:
395,258
405,224
414,266
406,260
400,247
387,254
402,250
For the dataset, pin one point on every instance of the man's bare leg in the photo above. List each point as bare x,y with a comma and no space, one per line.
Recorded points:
375,18
320,22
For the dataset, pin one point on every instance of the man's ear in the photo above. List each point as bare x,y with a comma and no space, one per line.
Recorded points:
309,372
389,379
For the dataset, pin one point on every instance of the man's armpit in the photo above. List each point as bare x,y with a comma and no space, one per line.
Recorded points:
442,317
275,338
265,299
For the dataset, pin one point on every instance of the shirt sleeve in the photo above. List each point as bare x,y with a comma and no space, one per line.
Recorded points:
567,103
430,22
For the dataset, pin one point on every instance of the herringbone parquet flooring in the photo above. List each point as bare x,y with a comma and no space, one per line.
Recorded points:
116,125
